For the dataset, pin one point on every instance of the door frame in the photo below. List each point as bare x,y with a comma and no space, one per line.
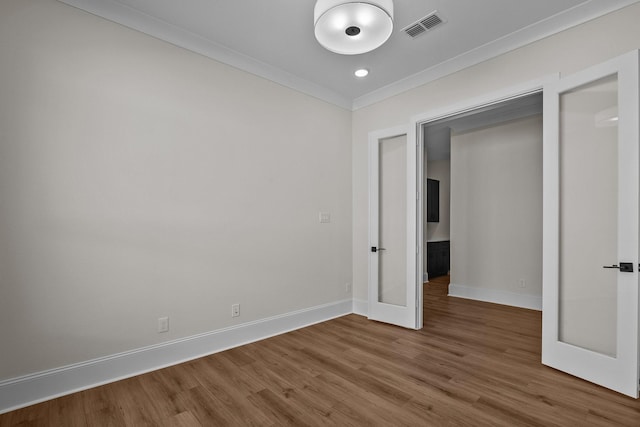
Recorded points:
416,134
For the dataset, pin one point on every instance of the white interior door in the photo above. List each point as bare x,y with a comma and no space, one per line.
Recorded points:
590,242
392,228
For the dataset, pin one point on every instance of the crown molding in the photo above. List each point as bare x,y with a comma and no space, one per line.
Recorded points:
538,31
132,18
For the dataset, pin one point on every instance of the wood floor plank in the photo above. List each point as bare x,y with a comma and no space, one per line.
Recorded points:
183,419
68,411
358,402
135,406
205,407
279,411
473,364
35,415
241,379
233,395
101,406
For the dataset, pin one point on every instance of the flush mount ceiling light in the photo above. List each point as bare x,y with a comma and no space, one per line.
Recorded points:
351,28
362,72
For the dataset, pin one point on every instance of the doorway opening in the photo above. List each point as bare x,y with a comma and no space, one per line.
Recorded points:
482,231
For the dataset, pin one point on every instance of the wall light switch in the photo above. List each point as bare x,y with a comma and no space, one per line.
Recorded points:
325,217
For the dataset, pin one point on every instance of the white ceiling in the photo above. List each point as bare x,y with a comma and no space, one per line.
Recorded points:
274,38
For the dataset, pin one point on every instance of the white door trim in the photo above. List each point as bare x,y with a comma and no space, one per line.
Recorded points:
416,134
490,98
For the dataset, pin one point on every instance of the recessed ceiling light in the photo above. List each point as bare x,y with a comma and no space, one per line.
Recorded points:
363,72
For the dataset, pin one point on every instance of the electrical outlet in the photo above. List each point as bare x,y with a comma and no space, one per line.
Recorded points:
523,283
347,287
324,217
235,310
163,324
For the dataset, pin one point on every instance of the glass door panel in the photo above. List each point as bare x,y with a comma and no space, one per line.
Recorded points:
589,216
392,211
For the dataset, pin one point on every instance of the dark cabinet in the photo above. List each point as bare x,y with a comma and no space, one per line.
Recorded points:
433,200
437,258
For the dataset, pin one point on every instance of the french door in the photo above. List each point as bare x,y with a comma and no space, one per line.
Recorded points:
590,217
392,228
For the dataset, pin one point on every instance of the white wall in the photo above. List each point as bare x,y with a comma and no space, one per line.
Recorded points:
439,170
496,209
140,180
566,52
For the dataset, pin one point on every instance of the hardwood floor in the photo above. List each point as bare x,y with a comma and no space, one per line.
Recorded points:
473,364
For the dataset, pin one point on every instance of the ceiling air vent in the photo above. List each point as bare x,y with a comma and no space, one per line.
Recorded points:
415,30
423,25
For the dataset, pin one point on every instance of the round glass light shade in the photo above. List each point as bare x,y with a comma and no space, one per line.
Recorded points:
350,28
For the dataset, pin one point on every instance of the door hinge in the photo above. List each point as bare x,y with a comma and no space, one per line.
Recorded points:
417,195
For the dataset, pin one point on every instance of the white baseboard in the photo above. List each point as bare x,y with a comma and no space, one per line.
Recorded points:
361,307
30,389
532,302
